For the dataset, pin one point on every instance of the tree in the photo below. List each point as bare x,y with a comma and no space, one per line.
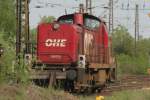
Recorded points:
7,37
124,47
7,18
123,42
47,19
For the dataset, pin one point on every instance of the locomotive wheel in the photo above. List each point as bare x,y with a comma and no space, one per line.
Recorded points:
90,90
69,86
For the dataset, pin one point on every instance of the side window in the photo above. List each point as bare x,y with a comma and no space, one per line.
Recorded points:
69,21
91,23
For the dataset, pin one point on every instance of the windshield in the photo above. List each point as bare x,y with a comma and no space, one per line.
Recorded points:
91,22
66,19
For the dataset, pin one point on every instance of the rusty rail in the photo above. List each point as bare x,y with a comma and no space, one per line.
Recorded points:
129,82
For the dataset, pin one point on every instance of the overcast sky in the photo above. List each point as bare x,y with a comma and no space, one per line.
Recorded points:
123,17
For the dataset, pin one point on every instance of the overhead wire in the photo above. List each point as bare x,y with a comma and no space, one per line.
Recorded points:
123,7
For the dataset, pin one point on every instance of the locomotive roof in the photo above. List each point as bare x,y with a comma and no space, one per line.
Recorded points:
85,14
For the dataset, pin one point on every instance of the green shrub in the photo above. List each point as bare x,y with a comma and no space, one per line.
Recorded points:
10,71
7,59
132,65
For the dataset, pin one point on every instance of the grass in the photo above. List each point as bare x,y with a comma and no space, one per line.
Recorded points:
31,92
123,95
131,95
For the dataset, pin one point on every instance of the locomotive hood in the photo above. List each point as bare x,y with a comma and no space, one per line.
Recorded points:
57,46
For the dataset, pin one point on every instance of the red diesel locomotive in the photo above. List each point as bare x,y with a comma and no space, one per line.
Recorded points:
75,50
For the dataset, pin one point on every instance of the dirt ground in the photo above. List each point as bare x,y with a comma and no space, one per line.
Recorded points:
31,92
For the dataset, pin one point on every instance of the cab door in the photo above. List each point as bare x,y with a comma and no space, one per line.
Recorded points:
91,38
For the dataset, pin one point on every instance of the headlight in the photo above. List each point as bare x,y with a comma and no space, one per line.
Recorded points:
56,26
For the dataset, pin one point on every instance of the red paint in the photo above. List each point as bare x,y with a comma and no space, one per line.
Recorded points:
57,54
78,18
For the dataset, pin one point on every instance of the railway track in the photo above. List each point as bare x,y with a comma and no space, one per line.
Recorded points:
128,82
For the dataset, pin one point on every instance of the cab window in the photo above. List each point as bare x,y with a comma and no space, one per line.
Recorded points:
66,19
91,23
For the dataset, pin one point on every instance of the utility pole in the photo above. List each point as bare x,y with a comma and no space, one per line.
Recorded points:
136,26
111,15
18,28
26,26
81,8
22,27
137,12
137,22
89,6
